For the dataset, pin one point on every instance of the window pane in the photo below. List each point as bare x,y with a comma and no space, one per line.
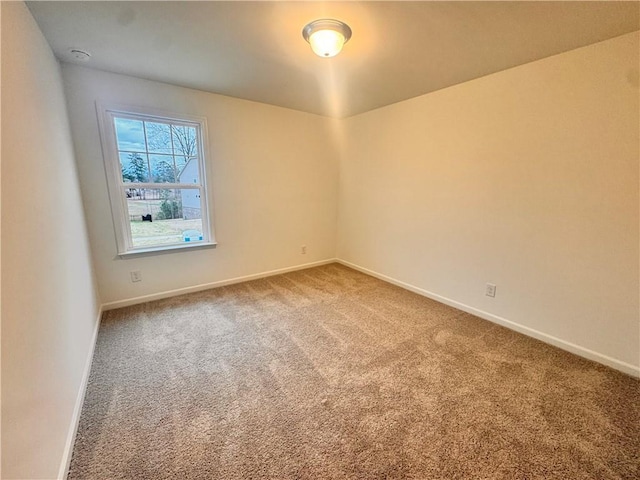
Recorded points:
129,134
162,168
134,167
158,137
164,216
185,140
188,171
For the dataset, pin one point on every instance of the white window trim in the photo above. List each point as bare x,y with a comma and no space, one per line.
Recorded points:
111,161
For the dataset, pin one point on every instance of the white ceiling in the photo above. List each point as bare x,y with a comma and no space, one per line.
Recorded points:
255,50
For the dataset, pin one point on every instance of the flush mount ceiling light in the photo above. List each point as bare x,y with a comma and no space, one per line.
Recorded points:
326,36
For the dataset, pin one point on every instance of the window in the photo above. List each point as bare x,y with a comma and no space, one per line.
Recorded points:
155,167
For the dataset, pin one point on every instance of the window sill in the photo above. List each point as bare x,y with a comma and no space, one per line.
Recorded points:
143,252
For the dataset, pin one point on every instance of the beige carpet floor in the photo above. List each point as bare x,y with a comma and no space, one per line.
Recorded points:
327,373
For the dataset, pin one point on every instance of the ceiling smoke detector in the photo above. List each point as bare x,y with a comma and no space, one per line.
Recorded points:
80,55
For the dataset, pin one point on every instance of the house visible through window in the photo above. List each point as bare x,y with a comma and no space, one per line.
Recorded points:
156,173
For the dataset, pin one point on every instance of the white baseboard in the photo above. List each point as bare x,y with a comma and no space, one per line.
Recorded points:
75,419
556,342
206,286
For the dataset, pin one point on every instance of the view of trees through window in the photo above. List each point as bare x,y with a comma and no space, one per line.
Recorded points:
160,180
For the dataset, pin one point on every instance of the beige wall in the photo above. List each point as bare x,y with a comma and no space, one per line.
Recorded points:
49,303
272,179
527,179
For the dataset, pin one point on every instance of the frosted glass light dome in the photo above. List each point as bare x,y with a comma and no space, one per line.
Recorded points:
326,36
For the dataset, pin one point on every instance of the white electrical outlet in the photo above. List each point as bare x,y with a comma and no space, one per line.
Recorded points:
136,276
303,250
491,290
